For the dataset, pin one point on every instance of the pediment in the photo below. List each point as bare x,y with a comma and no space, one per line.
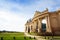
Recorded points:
37,13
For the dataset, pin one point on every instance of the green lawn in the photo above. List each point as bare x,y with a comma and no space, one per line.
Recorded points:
20,36
10,36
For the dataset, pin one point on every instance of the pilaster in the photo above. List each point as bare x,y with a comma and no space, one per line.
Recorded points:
48,27
39,25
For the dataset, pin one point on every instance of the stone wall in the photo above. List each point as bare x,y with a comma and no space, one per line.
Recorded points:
52,22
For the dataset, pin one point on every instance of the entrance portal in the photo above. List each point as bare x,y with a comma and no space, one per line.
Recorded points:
44,25
28,29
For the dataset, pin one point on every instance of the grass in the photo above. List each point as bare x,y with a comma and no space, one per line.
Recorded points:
10,36
20,36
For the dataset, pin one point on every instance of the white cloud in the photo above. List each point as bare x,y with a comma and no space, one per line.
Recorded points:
10,21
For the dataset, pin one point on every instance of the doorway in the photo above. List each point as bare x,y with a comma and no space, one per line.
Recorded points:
44,25
28,29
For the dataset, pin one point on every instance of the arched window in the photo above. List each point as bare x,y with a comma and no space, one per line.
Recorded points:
28,29
44,25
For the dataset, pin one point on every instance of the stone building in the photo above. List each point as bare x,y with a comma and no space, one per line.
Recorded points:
51,25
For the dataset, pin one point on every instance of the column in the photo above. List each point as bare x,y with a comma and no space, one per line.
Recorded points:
30,29
27,28
48,27
39,25
34,26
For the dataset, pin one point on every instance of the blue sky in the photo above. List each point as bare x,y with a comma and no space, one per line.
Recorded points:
15,13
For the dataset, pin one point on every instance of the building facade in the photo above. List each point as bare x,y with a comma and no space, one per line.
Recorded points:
51,25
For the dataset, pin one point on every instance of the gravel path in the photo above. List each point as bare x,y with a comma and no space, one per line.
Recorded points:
37,37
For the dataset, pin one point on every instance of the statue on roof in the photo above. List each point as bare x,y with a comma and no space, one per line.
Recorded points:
58,9
46,10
